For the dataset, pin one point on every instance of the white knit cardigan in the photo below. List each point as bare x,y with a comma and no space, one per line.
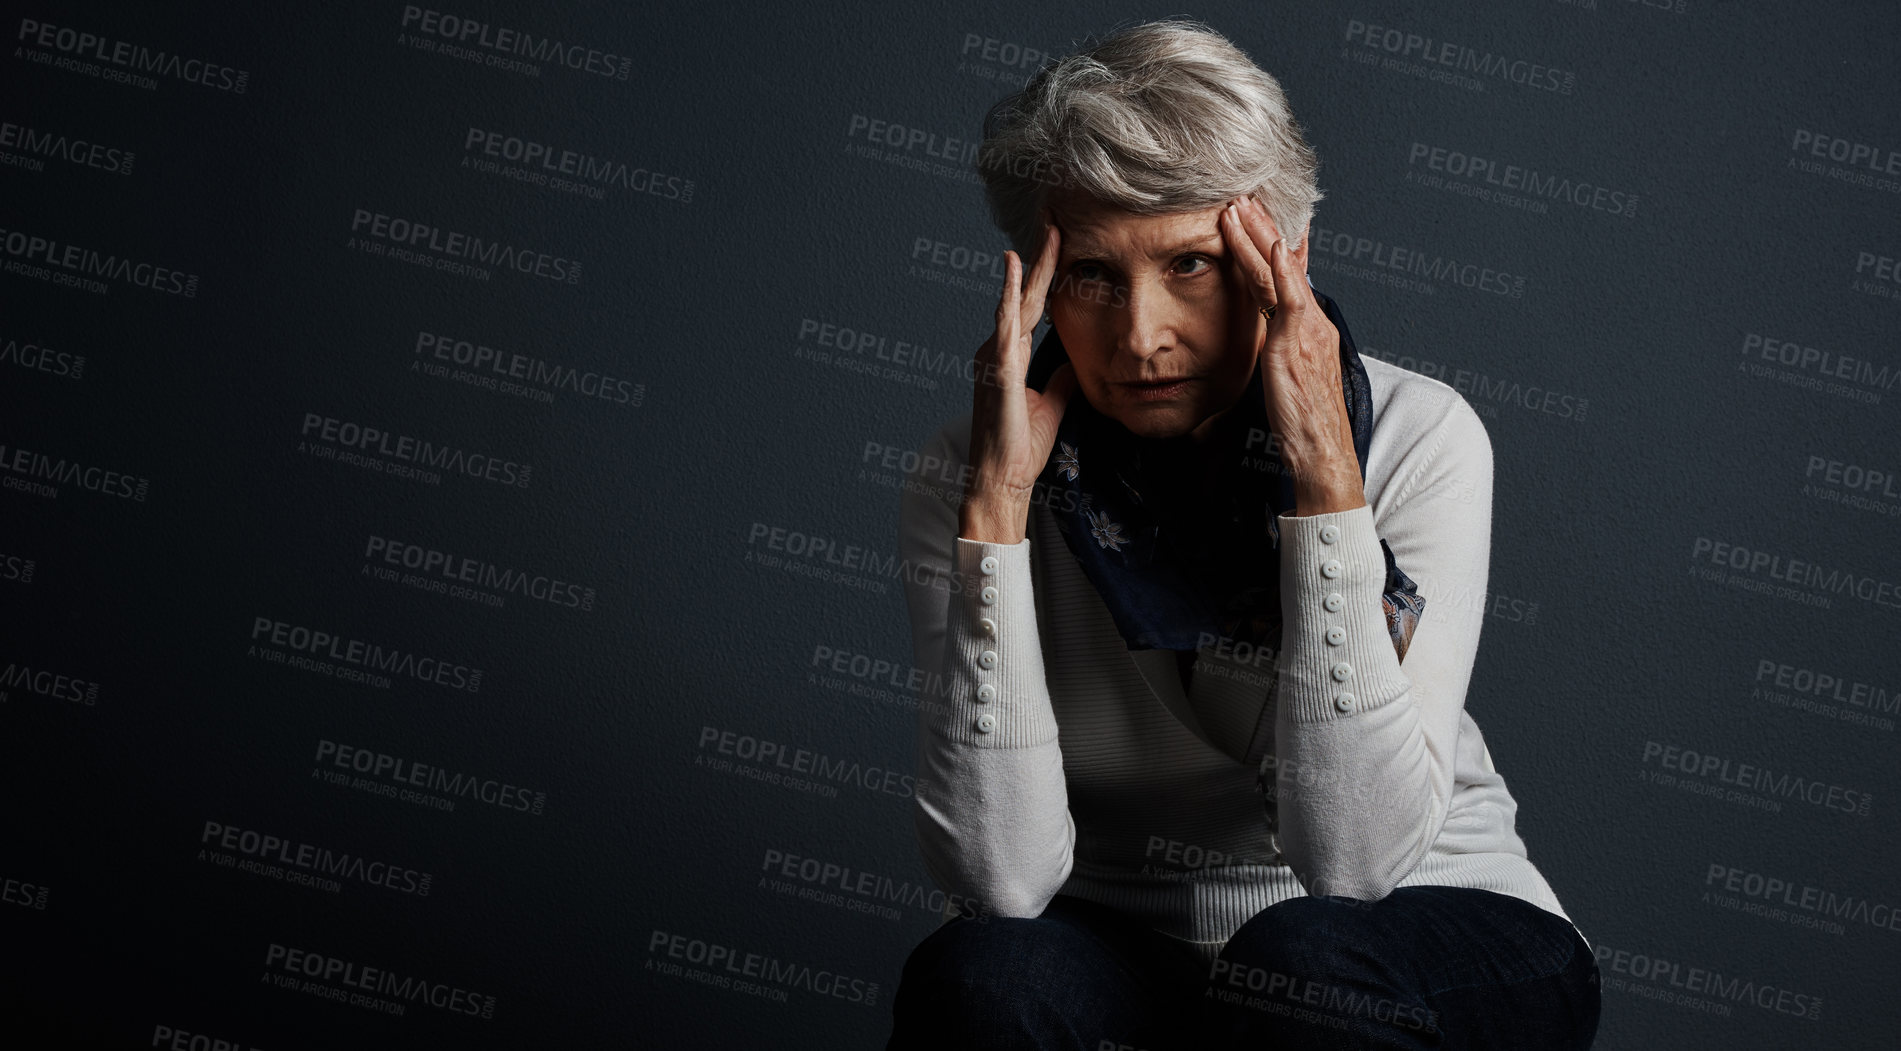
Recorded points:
1060,761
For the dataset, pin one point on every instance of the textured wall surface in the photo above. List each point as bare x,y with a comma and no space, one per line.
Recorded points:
415,423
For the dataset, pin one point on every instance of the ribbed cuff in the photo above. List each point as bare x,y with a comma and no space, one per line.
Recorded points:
1335,663
997,696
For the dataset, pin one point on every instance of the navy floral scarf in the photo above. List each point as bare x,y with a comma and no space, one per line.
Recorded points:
1180,539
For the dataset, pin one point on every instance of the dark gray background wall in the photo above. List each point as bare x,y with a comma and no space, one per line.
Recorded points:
1691,391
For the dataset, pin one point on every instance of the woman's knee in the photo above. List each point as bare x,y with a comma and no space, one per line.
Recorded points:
967,967
1291,945
973,979
1305,935
994,947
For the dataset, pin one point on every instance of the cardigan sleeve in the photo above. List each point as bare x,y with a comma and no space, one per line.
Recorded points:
991,809
1365,742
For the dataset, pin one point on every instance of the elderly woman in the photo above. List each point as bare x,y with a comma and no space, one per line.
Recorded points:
1205,610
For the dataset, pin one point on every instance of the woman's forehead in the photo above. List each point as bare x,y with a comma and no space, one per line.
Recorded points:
1092,227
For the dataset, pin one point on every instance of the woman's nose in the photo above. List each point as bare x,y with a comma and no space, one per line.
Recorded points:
1140,323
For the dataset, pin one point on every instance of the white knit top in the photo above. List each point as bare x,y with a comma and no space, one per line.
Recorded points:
1060,761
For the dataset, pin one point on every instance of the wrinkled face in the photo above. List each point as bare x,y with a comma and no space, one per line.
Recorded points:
1140,298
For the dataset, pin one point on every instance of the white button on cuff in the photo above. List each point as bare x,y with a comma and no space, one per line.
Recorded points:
1344,702
1336,635
1342,671
986,723
989,626
986,693
989,596
1330,568
1334,602
1329,533
989,564
987,658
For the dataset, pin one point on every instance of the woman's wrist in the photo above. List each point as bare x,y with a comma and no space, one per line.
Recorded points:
993,520
1325,490
1319,499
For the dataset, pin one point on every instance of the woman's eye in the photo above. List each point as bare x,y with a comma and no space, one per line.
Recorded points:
1088,272
1197,264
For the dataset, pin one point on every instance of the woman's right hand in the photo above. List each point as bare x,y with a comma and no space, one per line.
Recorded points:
1012,428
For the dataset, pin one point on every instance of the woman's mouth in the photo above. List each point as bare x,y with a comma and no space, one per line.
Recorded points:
1159,391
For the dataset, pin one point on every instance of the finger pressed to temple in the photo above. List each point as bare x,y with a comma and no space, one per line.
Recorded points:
1258,269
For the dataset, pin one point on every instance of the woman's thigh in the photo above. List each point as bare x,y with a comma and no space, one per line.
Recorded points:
1080,977
1425,966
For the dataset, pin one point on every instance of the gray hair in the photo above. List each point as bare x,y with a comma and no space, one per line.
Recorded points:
1161,117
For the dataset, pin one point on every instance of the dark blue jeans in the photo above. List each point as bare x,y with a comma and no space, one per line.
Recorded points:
1437,967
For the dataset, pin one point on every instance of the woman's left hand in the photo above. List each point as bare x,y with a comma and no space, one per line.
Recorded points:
1300,363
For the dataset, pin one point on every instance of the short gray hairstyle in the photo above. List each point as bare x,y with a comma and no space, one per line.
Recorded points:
1160,117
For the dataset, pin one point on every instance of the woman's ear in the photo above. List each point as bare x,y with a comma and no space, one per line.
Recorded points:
1300,257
